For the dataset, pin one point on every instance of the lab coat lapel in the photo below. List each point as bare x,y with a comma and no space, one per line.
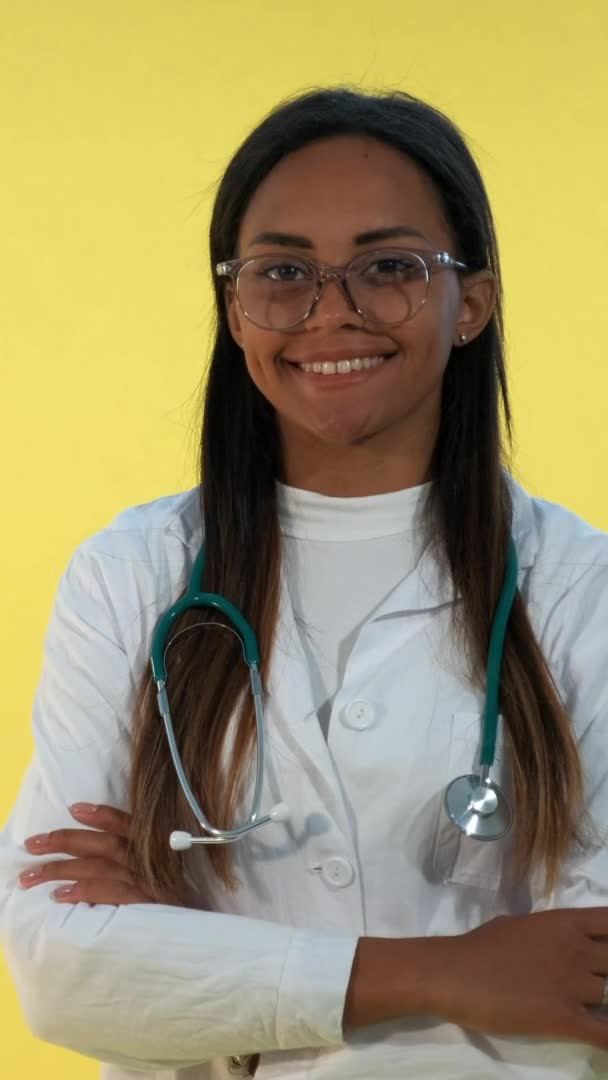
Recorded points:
292,721
427,587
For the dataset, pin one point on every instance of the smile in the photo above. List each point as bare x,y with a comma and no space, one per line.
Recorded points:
344,367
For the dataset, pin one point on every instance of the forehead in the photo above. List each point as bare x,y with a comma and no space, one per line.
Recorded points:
337,187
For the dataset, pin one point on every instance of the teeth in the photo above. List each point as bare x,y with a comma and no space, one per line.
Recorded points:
344,367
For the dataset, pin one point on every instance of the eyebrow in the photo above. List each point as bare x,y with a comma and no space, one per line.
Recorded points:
370,237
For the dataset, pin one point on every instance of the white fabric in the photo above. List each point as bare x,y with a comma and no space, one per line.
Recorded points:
368,850
342,558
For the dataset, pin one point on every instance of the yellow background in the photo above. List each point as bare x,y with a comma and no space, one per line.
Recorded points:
117,117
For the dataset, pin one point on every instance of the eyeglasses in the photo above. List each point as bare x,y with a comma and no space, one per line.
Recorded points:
386,287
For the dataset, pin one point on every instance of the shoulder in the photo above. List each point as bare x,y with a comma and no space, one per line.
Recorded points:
123,575
565,587
554,540
143,531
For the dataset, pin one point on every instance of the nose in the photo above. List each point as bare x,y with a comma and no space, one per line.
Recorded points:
334,305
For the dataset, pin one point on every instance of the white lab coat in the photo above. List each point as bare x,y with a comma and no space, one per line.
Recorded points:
368,849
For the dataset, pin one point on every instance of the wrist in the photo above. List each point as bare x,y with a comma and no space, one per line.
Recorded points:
394,977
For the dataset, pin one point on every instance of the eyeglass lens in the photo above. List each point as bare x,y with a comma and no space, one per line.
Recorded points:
278,291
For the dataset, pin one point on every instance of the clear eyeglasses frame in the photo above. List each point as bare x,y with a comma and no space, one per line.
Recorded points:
425,263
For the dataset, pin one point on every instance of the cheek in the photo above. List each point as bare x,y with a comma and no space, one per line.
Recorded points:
264,367
430,336
261,365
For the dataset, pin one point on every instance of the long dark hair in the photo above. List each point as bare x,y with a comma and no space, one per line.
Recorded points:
468,518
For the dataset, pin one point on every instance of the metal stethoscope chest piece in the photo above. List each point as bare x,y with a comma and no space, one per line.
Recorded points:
195,598
475,804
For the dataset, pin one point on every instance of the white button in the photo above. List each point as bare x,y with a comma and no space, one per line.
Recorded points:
359,715
337,872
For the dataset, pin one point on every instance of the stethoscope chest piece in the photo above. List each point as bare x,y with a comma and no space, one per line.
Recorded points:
478,807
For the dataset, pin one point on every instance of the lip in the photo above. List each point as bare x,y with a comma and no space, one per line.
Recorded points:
335,355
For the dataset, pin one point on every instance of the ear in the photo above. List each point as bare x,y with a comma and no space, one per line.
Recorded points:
233,314
478,300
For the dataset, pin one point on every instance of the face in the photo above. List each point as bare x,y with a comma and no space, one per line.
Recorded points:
327,194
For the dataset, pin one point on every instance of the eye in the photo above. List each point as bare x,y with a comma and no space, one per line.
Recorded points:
286,271
401,267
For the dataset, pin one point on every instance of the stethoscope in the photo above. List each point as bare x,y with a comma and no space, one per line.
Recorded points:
474,803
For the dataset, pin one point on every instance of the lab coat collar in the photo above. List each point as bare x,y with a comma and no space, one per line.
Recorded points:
427,587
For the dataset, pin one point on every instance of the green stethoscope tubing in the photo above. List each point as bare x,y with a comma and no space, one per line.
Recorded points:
471,802
194,598
495,655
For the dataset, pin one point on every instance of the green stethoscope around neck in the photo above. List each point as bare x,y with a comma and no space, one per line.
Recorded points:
474,803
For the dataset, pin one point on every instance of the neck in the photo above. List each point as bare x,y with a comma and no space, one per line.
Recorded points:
374,466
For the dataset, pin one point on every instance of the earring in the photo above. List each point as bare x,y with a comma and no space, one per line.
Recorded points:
463,339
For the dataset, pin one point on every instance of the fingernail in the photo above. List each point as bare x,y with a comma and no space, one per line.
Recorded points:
29,877
63,890
38,841
84,808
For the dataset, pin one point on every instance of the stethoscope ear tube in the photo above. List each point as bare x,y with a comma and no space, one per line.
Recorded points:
238,625
180,841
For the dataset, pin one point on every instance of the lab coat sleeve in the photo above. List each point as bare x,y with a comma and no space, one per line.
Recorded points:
576,643
144,986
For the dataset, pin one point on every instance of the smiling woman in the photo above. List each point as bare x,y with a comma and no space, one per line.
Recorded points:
361,297
353,537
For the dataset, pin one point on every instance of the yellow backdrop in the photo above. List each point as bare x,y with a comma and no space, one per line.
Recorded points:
117,118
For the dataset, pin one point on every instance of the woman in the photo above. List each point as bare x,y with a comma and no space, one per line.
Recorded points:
357,510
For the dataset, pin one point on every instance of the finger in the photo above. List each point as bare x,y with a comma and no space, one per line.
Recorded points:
75,870
588,991
597,957
79,842
593,921
100,816
99,891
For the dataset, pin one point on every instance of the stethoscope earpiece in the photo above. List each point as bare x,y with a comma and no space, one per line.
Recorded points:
180,841
279,812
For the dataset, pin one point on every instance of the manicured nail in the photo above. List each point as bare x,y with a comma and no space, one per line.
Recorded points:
84,808
38,841
63,891
30,877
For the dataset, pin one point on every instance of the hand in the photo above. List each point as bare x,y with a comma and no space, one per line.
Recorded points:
98,865
535,976
527,975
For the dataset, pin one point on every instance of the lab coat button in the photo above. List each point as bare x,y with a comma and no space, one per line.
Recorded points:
337,872
359,715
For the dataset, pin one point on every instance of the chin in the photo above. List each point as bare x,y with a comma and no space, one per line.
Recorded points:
339,433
